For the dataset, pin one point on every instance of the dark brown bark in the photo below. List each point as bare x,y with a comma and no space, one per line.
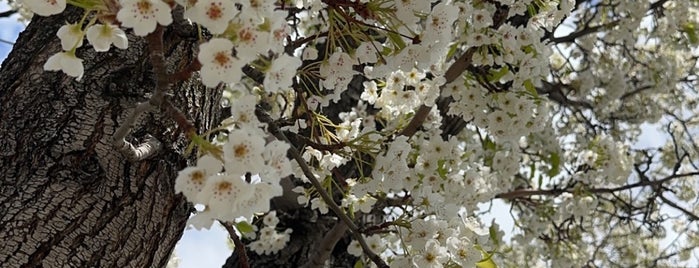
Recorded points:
67,198
308,232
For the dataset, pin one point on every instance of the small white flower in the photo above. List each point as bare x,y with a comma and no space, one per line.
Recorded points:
45,7
433,256
278,165
101,36
355,249
143,15
243,112
376,244
191,180
320,205
271,219
257,10
371,92
250,41
367,52
366,204
66,62
225,194
309,53
243,152
201,220
71,36
280,74
337,71
218,63
212,14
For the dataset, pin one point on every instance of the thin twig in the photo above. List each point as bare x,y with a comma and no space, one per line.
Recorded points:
454,71
151,146
128,150
686,212
183,123
239,246
157,100
7,13
556,192
274,129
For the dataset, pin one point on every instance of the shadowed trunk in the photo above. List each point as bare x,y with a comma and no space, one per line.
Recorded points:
67,198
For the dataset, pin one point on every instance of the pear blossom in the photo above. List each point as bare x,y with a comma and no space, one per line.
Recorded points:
66,62
101,36
202,220
71,36
243,112
271,219
224,194
355,249
144,15
243,152
191,180
218,62
45,7
280,74
250,41
257,10
309,53
433,256
212,14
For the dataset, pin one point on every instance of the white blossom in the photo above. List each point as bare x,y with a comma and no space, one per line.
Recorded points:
144,15
66,62
102,36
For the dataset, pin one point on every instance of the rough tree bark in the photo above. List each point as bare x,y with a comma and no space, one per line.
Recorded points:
67,198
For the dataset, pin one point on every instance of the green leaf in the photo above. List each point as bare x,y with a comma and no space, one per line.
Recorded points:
691,31
359,264
555,161
487,263
488,144
244,227
397,40
495,76
529,86
452,50
442,169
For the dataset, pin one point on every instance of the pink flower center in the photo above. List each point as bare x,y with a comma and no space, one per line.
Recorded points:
222,59
144,7
215,11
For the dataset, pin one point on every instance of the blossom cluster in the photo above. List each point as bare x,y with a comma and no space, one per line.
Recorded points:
270,241
243,180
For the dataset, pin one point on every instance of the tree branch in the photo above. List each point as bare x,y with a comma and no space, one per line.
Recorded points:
689,214
274,129
8,13
556,192
158,99
326,246
454,71
585,31
239,246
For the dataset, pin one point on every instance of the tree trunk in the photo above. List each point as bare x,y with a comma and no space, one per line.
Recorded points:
67,198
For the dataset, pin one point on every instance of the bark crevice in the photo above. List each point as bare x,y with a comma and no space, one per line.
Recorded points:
67,198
